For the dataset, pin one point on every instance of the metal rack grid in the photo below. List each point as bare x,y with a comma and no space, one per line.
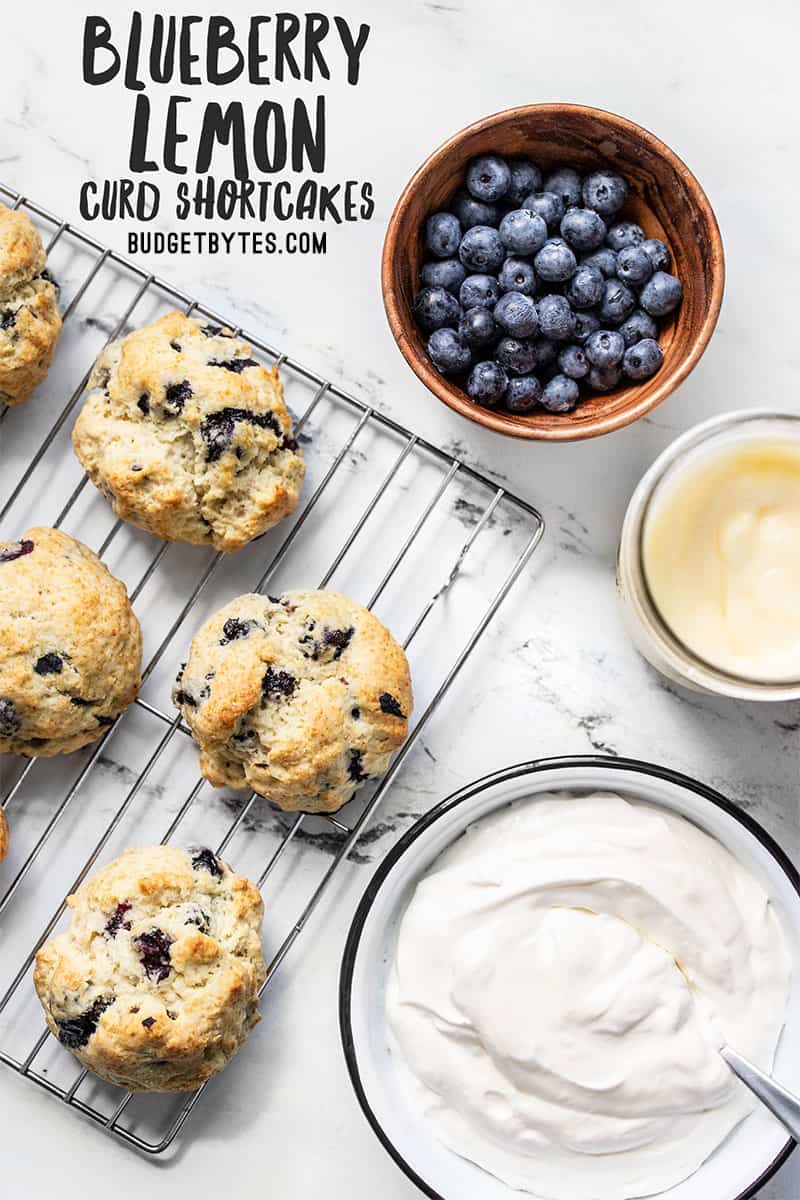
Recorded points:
348,826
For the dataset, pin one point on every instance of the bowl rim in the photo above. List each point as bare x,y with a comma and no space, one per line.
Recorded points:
445,806
505,423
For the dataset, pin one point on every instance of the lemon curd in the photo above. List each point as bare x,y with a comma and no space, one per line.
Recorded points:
721,557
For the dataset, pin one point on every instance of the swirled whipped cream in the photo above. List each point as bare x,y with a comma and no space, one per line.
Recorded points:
563,980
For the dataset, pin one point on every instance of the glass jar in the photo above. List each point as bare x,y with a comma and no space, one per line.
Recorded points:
650,633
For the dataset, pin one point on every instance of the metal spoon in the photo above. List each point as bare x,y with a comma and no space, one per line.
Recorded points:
781,1104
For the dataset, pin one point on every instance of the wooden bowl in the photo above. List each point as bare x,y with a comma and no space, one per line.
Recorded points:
664,198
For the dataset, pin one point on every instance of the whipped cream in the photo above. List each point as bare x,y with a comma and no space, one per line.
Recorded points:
563,980
721,554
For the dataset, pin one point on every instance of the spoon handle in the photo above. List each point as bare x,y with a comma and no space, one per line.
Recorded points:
781,1104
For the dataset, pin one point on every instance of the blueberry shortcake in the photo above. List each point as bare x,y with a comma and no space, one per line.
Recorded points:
189,436
154,985
70,645
30,322
301,698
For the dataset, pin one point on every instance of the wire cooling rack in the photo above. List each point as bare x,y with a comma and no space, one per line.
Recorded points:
434,547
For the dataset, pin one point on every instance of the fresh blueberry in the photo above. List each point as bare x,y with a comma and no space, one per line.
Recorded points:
585,323
605,192
556,318
617,304
517,355
517,275
471,212
585,288
642,359
604,259
10,722
565,183
603,379
657,252
546,352
523,394
442,235
583,228
560,394
477,327
487,383
634,265
661,294
517,314
481,249
448,273
488,178
573,361
447,352
522,231
525,177
639,325
605,348
555,262
154,953
547,205
479,291
16,550
626,233
434,308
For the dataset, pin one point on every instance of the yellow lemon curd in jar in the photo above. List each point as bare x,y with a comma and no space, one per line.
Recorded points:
721,556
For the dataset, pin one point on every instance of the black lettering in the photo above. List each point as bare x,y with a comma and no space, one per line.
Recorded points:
353,49
287,29
188,59
222,36
87,202
368,204
138,161
97,36
306,203
307,142
227,128
183,207
269,137
283,211
254,56
132,81
162,51
317,27
172,137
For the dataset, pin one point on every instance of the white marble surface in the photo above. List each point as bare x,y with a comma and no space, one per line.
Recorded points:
556,673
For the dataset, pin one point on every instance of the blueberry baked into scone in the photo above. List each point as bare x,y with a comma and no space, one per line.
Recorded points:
30,322
154,985
301,698
188,436
70,645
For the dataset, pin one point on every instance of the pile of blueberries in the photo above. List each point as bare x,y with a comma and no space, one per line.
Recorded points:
600,287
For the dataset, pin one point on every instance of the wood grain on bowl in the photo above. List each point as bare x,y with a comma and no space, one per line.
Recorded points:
664,198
